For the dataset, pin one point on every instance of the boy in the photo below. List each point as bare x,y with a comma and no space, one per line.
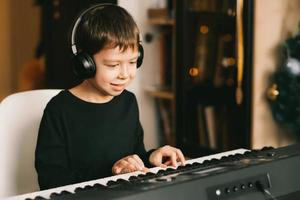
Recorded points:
93,130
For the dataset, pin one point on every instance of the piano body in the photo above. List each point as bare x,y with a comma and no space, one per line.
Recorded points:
239,175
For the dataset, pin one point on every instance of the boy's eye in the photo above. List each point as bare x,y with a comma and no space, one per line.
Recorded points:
112,65
133,62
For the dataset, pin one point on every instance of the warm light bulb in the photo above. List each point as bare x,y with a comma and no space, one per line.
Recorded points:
193,71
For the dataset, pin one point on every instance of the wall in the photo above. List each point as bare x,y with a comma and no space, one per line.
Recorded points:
25,20
5,48
274,22
19,35
148,74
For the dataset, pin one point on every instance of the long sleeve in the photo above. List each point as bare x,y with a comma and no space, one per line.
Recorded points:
51,157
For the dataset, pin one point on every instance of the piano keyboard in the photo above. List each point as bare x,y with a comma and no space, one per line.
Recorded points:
48,194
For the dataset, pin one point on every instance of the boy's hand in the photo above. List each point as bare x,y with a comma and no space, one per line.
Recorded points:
129,164
166,156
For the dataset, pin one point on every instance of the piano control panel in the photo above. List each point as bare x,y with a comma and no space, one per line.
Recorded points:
242,173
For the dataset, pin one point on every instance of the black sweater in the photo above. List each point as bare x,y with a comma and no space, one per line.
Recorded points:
80,141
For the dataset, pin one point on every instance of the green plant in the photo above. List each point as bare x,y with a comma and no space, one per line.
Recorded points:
284,93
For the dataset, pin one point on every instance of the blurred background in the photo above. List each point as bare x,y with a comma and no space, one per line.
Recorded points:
217,74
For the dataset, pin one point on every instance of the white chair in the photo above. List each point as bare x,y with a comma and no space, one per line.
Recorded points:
20,116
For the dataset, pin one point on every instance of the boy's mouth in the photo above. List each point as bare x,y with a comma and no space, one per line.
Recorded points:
118,86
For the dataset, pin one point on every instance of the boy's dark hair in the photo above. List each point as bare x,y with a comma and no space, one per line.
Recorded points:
108,26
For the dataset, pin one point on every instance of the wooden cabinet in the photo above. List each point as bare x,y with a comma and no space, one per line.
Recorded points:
164,93
207,58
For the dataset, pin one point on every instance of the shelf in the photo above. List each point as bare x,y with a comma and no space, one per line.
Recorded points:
162,21
162,94
160,17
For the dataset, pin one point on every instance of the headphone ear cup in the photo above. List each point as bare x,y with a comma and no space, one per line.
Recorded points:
140,56
83,66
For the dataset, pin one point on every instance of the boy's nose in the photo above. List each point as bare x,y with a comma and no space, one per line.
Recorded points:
123,72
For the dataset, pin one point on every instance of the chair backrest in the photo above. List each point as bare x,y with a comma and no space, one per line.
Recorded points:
20,116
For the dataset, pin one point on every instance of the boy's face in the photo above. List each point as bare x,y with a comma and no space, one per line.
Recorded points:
114,70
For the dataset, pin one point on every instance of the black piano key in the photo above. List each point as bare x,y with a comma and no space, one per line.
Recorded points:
59,195
121,181
206,162
215,161
180,168
160,172
169,171
78,189
196,164
118,182
99,186
187,165
54,194
141,175
150,173
239,155
231,158
224,158
133,178
109,183
64,192
39,198
267,148
193,166
88,187
251,154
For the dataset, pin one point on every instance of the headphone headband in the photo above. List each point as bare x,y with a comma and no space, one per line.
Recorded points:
78,20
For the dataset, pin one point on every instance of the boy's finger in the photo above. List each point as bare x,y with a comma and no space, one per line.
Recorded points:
145,169
163,166
135,163
174,159
180,156
139,160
